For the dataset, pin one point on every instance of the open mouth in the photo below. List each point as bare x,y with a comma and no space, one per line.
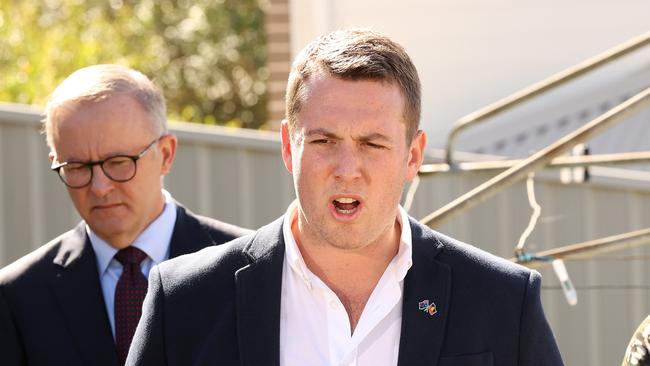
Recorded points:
345,205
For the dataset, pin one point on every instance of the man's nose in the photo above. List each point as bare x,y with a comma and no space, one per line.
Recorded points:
348,163
100,184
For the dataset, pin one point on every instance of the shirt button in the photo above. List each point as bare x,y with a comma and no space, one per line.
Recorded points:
333,305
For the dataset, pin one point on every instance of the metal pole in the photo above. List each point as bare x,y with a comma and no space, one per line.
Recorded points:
539,159
541,87
559,162
591,248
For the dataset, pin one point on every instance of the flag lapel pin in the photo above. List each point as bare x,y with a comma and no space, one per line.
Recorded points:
428,307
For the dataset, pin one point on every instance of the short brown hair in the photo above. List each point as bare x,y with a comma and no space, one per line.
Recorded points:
356,54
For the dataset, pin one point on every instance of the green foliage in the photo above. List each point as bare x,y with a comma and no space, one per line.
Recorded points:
208,57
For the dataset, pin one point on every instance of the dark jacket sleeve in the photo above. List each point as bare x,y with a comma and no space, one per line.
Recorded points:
11,351
148,345
537,344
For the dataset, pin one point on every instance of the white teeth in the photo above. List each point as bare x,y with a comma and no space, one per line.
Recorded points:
344,211
345,200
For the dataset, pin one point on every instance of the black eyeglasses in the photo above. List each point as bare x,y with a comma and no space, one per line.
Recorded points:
118,168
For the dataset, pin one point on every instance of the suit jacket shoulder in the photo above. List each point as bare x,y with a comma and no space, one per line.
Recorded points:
222,258
189,272
51,306
473,262
489,307
194,232
31,267
215,306
216,228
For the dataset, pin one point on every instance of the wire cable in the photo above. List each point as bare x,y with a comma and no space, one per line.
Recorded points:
410,195
537,209
601,287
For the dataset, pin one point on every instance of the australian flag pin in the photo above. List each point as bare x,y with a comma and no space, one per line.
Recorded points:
428,307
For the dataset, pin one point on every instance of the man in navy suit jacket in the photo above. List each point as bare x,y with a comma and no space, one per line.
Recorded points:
107,132
346,277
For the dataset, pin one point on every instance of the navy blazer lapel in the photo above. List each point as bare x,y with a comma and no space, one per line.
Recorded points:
188,236
77,288
259,288
428,282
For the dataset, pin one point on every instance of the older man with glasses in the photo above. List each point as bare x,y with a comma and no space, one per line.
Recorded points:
77,299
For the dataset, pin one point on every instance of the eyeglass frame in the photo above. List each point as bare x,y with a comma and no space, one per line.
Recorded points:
91,164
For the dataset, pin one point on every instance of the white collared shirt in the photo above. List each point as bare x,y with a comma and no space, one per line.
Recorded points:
154,241
314,326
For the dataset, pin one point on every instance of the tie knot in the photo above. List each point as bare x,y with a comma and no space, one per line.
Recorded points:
130,255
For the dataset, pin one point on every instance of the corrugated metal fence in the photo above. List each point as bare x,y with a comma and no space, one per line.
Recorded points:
238,176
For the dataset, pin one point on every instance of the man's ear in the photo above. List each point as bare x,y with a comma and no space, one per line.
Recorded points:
168,146
416,154
285,138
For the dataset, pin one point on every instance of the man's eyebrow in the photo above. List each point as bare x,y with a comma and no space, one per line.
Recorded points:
376,136
322,132
104,157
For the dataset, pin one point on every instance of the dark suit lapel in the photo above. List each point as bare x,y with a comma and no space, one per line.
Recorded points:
77,288
259,287
188,236
423,329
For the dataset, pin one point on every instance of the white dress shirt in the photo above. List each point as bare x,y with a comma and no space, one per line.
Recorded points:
314,326
154,241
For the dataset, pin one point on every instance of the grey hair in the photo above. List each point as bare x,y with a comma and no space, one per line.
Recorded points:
99,82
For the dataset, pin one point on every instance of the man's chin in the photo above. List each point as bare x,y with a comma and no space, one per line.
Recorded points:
108,231
345,240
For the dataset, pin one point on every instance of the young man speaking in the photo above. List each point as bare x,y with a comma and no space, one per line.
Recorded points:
346,277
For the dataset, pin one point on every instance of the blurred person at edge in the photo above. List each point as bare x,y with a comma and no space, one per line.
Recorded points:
637,352
346,277
77,299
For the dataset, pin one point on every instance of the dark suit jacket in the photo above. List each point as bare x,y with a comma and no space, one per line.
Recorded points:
221,306
52,309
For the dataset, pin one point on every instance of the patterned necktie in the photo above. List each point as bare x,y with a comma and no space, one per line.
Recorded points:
129,293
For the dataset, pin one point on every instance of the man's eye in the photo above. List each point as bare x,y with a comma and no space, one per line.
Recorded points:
375,146
117,162
73,168
320,141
